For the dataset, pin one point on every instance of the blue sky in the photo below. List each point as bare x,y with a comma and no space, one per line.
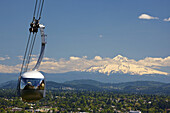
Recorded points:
90,28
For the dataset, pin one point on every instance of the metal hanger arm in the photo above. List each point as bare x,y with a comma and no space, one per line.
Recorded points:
43,41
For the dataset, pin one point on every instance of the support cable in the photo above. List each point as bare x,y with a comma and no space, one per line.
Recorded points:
41,9
34,11
25,54
38,8
30,53
27,57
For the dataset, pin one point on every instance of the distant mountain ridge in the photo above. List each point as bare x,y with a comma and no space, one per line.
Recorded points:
112,78
139,87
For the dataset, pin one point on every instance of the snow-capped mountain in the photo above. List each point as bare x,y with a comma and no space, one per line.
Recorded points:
118,69
120,64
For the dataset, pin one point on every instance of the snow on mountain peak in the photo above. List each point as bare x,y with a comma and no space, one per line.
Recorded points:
120,64
125,68
120,58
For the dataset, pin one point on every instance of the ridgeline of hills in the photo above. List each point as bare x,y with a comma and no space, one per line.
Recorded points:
112,78
137,87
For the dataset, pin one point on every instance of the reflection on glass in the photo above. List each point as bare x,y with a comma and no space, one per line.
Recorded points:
30,83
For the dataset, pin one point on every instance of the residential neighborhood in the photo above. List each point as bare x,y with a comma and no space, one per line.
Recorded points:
75,101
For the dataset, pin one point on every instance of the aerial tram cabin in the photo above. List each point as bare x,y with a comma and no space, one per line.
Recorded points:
31,84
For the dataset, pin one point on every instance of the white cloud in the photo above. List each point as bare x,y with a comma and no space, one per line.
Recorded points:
49,59
167,19
146,16
74,58
4,58
105,65
97,58
9,69
33,57
20,57
100,36
84,57
82,64
154,62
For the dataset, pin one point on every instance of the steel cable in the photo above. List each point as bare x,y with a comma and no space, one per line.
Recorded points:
25,54
30,51
41,9
38,9
35,10
31,41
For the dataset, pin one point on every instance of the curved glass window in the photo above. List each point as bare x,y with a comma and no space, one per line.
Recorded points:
31,83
